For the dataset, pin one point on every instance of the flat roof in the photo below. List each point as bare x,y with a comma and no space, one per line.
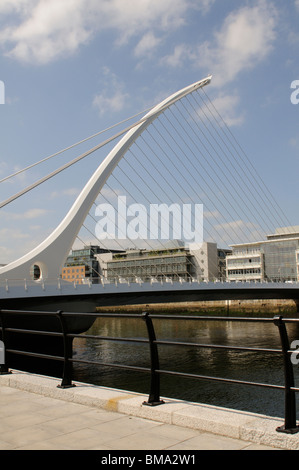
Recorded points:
265,241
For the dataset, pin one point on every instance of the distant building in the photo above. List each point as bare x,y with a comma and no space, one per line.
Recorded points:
274,259
221,255
75,274
82,264
172,263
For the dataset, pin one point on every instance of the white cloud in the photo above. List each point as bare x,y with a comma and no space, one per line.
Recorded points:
46,30
19,6
294,142
113,97
20,233
70,192
30,214
244,40
226,106
15,242
13,229
238,231
41,30
177,58
293,36
3,167
12,234
146,44
113,103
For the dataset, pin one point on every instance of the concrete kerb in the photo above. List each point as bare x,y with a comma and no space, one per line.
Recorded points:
229,423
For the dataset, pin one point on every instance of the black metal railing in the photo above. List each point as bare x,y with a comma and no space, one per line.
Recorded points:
290,424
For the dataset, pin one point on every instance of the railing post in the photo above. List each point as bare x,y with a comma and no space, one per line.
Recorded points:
290,425
3,344
67,349
154,395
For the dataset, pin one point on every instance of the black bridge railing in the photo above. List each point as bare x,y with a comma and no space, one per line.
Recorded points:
289,389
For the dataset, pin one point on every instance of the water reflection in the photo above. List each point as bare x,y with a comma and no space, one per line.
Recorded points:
239,365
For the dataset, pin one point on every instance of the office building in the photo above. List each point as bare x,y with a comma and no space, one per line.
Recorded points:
172,262
274,259
82,265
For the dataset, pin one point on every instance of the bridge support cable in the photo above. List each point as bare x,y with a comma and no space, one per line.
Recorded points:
190,182
222,200
192,164
147,243
206,137
144,182
208,157
147,180
49,157
228,227
69,164
230,178
162,162
244,162
177,154
144,177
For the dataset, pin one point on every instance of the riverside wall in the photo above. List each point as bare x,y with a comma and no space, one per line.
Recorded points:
226,307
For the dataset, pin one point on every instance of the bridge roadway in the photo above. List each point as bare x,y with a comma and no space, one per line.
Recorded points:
36,415
85,297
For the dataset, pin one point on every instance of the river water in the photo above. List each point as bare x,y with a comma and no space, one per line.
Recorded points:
239,365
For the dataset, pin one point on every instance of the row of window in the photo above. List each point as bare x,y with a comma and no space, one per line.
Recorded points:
121,271
158,277
237,272
238,261
75,276
73,270
149,261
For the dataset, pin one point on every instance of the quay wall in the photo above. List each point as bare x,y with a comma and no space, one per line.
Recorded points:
225,307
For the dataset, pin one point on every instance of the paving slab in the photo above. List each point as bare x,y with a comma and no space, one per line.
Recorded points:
37,415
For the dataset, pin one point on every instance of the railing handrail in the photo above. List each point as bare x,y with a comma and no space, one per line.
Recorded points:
289,388
60,283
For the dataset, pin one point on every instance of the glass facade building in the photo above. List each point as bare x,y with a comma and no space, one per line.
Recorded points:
82,264
280,260
274,259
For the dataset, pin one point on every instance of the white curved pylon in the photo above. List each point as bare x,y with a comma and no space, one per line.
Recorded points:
49,257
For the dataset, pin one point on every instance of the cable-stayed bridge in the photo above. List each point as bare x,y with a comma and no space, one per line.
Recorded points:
181,154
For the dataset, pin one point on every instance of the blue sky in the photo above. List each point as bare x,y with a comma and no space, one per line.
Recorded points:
74,67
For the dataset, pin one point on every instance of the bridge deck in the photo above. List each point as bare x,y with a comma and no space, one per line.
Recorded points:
159,292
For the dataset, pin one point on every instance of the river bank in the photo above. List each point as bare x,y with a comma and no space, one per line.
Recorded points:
226,307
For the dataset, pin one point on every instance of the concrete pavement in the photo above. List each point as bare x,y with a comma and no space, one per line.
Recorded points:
37,415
